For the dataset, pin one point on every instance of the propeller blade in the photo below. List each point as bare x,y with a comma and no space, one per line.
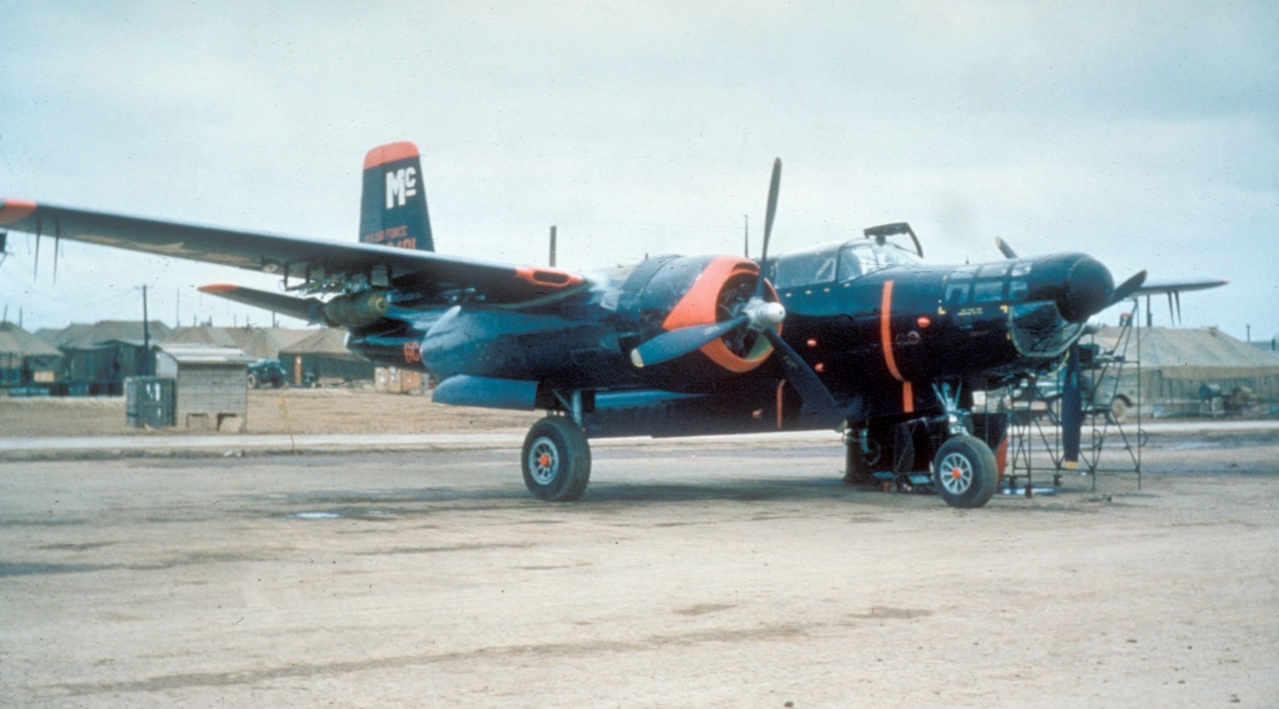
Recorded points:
1072,410
773,186
1177,296
817,398
1005,249
1128,287
669,345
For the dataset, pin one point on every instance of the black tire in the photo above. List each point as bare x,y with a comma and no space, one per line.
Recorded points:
253,381
856,470
965,472
556,460
1118,409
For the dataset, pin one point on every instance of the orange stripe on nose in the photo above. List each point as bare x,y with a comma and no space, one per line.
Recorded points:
886,341
886,332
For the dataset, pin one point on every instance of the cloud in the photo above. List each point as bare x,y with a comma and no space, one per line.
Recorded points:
1142,132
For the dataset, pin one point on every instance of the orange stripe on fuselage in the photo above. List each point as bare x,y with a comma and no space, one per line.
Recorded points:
886,331
886,341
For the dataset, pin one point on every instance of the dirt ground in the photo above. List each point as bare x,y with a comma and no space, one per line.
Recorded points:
686,576
338,410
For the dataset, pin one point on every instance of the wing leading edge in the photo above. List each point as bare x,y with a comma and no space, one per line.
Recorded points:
320,266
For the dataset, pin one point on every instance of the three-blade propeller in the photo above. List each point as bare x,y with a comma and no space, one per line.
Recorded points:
760,316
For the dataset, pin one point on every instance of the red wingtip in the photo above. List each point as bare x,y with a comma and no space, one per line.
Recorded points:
218,288
390,152
15,210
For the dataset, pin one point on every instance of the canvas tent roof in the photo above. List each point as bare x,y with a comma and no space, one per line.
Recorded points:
258,342
328,341
83,335
17,342
1177,347
202,335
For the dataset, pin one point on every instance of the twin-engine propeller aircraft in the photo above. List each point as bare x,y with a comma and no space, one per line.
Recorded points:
859,337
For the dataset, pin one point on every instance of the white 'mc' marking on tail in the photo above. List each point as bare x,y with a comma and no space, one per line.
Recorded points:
400,185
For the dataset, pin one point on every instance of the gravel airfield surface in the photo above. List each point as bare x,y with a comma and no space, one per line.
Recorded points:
687,576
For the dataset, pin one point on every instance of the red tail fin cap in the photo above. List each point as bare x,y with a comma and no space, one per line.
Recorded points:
390,152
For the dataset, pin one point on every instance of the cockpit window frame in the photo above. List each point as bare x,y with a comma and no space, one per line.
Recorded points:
844,260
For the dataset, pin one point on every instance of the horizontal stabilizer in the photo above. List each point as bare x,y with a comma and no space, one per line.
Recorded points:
1150,288
309,309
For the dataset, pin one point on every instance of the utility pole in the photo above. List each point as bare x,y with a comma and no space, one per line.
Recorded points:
552,246
146,337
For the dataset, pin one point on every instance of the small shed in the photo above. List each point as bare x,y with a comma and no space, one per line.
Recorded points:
211,384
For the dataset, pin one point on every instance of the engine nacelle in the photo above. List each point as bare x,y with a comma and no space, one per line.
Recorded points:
701,290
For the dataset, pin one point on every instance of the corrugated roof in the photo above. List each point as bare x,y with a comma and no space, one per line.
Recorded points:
194,353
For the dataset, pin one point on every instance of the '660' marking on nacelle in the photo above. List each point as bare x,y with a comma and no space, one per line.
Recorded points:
400,185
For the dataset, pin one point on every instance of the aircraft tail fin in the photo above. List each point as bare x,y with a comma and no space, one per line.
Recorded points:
393,205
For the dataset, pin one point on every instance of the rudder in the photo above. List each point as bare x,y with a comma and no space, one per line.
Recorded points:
393,204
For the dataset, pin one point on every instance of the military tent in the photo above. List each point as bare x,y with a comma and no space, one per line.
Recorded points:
25,359
322,357
1176,364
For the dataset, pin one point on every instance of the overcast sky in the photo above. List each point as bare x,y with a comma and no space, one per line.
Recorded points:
1144,133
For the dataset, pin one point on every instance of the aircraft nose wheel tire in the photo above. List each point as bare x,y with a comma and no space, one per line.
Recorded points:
965,472
556,460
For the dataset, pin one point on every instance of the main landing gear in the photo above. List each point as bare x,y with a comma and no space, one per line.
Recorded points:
556,460
928,454
965,472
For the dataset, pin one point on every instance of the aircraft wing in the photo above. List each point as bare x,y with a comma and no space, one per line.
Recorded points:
327,265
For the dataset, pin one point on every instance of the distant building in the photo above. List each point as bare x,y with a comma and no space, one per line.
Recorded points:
1177,363
27,363
323,357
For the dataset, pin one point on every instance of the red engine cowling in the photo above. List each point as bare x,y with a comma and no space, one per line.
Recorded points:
701,290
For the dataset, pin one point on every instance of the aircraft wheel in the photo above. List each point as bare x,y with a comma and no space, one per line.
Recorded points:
556,460
857,470
1118,408
966,472
253,381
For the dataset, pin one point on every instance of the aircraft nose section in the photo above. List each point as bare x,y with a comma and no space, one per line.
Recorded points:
1089,289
